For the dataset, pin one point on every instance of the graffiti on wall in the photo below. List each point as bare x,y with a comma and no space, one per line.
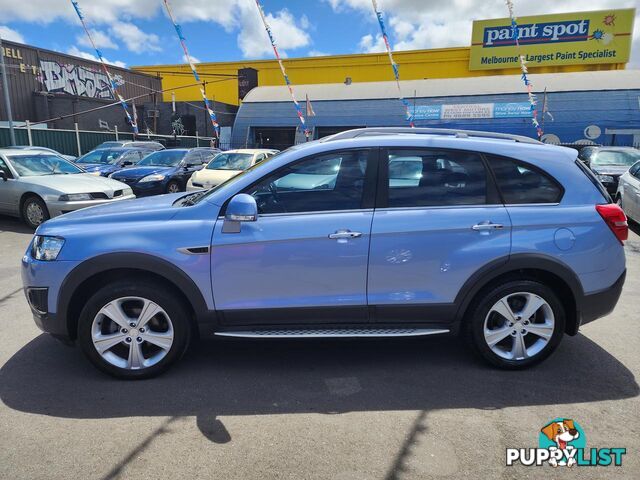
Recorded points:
76,80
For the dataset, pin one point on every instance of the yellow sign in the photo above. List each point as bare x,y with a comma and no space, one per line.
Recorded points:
558,39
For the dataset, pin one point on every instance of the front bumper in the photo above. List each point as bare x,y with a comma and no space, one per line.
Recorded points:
146,189
58,208
602,303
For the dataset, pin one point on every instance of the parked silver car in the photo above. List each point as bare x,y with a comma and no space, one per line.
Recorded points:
36,185
71,158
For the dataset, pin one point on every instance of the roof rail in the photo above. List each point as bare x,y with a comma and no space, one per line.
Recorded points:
362,132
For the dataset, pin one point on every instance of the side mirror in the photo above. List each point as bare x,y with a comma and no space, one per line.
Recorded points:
3,176
241,208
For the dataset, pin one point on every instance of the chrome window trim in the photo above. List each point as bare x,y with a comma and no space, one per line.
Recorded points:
319,212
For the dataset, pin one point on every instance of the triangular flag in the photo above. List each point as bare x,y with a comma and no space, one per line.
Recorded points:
310,112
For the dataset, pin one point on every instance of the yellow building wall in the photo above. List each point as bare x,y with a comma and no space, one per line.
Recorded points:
414,65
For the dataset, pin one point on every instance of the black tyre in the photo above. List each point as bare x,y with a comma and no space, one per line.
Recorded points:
516,324
173,187
34,212
134,330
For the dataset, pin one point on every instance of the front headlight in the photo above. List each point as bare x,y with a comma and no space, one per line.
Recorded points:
95,172
605,178
46,248
126,192
155,177
74,197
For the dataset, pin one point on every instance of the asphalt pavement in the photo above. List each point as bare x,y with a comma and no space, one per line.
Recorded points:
342,409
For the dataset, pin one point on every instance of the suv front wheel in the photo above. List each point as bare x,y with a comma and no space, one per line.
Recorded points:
516,324
133,330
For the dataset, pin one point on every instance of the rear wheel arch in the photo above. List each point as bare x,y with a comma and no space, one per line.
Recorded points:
542,268
92,274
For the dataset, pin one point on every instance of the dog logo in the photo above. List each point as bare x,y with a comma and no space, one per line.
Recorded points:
563,433
562,443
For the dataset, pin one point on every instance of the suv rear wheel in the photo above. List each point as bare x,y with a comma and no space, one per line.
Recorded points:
133,330
516,324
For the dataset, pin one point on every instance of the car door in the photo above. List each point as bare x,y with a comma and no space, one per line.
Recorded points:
305,259
8,197
631,191
438,220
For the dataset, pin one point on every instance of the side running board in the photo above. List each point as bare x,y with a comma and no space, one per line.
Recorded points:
334,333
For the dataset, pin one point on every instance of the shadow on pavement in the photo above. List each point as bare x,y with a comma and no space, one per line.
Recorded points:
12,224
231,377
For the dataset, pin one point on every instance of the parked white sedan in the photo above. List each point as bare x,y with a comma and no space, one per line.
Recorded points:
226,165
628,196
36,185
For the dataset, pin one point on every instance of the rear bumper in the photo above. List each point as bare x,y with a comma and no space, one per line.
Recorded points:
601,303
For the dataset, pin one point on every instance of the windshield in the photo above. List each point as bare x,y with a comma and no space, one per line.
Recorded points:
200,197
109,144
163,158
624,158
33,165
231,161
103,157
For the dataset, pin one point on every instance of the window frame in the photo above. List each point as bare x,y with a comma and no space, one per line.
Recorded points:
635,174
493,196
369,187
528,166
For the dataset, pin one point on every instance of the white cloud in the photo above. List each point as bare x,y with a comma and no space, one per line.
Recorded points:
254,41
317,53
193,59
416,24
10,34
76,52
135,39
101,39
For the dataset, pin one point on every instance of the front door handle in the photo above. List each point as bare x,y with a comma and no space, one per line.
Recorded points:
484,226
342,234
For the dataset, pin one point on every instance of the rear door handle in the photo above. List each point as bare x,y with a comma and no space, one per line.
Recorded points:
484,226
341,234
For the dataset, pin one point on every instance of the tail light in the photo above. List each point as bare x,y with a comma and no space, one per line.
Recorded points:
615,219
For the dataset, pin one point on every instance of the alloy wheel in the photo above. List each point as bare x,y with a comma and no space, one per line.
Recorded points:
132,333
173,188
519,326
34,213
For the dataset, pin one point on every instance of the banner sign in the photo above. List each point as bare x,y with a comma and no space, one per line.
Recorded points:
471,110
559,39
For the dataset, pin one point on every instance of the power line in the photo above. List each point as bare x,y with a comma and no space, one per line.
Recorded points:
62,117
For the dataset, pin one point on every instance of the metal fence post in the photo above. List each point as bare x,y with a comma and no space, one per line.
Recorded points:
197,139
78,140
115,129
28,123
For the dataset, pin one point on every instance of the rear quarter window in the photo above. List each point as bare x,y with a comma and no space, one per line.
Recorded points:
587,171
521,183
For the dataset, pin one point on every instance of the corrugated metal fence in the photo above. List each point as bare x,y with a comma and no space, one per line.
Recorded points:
71,142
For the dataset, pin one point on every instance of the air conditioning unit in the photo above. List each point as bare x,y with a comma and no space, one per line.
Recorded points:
153,113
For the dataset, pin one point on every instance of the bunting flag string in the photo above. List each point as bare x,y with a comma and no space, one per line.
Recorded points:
183,42
307,132
112,83
394,65
515,34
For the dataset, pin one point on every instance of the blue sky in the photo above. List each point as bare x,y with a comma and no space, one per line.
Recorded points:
137,32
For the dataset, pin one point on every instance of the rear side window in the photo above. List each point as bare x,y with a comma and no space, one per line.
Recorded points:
520,183
429,178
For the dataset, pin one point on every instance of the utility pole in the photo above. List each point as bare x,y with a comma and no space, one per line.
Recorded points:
7,99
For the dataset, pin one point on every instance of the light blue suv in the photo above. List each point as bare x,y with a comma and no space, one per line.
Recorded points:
368,233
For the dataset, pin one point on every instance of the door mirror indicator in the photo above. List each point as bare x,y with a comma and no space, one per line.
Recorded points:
241,208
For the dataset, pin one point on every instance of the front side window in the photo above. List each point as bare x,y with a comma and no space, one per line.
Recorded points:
520,183
325,182
429,178
33,165
635,170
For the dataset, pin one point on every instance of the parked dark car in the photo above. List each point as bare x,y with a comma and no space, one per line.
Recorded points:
609,163
165,171
106,161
